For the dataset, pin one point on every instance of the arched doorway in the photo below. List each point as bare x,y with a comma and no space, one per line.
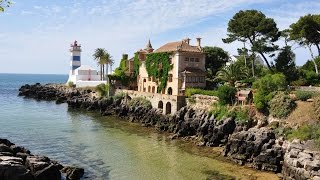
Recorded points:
149,88
168,108
160,105
153,89
170,91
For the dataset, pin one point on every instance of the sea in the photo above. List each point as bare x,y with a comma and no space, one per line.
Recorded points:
106,147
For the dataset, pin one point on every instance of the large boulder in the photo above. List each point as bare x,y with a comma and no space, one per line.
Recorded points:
73,173
256,148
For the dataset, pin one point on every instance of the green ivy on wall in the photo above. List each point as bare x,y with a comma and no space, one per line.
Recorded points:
158,66
136,65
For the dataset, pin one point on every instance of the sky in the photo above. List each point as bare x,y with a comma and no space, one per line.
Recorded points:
35,35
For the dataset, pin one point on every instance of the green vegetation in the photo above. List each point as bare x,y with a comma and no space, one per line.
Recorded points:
136,65
266,88
191,91
281,105
103,59
216,58
306,132
4,4
253,26
103,89
119,96
226,94
120,72
140,101
304,95
158,66
232,73
71,84
240,114
285,64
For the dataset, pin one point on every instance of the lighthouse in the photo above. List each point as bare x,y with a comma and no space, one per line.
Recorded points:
81,75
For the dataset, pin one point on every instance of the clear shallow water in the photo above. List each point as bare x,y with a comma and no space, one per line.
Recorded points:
106,147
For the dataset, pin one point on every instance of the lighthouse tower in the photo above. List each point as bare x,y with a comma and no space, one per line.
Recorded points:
75,61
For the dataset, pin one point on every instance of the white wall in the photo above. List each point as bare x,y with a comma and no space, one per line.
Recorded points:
89,83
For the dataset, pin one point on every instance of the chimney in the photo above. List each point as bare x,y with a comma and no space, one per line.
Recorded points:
199,42
125,56
188,40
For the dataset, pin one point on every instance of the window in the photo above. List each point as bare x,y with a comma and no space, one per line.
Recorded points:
196,60
170,60
149,78
191,59
186,59
170,78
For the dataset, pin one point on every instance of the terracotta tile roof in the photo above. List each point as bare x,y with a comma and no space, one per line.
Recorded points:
178,46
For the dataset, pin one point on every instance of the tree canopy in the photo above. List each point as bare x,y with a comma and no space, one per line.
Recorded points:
255,27
307,30
4,4
285,63
216,58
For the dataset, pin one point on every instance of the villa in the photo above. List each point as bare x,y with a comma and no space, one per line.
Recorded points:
188,70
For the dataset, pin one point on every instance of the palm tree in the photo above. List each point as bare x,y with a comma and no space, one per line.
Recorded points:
98,55
232,73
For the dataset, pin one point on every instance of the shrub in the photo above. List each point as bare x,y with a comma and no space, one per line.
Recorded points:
118,96
226,94
281,105
103,89
306,132
265,88
191,91
316,107
304,95
220,111
70,84
140,101
242,114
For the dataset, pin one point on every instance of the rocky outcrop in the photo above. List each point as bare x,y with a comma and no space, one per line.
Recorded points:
257,148
17,163
300,163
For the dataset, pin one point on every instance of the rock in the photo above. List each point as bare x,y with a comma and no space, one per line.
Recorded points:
5,148
13,171
73,173
50,172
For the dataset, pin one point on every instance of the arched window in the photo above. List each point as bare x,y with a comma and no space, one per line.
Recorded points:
168,108
170,91
149,88
153,89
160,105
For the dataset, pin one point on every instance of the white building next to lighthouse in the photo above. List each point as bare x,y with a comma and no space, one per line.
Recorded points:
82,75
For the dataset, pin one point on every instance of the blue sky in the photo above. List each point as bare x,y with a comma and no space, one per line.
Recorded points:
35,35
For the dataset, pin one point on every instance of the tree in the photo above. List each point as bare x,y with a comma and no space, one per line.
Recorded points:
99,56
106,60
232,73
285,63
255,27
4,4
216,58
306,32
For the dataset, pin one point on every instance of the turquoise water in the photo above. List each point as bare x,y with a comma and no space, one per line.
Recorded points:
105,146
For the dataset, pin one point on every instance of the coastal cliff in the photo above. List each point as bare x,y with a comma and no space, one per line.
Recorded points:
244,144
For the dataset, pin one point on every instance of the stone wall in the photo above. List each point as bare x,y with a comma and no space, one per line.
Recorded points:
202,102
300,163
175,102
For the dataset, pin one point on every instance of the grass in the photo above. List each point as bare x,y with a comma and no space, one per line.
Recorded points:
191,91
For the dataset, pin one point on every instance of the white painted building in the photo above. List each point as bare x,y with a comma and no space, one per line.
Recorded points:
82,75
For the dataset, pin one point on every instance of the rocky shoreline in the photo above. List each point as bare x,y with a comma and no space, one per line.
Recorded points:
17,163
249,145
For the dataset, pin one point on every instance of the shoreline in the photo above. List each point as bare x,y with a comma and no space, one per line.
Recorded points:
17,162
250,146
